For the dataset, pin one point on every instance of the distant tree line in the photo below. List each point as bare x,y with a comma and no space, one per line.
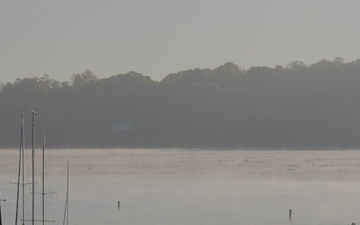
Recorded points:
294,107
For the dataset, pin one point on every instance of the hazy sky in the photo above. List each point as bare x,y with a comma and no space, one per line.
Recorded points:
158,37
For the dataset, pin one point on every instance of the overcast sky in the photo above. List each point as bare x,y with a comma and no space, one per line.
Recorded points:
158,37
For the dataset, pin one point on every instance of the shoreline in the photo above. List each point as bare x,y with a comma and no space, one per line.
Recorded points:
311,165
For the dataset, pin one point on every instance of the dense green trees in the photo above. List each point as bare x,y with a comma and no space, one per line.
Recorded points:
299,106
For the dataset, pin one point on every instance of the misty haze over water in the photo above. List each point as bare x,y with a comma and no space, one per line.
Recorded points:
194,133
195,187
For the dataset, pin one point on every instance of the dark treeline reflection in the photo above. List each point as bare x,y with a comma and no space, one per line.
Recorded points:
299,106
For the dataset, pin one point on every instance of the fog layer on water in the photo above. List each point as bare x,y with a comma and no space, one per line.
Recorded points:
191,187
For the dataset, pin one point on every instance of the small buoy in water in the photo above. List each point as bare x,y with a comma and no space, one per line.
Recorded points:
290,214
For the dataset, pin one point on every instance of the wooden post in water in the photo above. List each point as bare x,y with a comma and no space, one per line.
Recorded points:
118,205
290,212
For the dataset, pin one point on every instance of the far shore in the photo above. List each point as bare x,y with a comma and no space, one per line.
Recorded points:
324,165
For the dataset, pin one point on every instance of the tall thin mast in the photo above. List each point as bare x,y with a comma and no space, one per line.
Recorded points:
1,200
23,166
43,184
67,194
0,215
19,169
66,211
33,168
43,181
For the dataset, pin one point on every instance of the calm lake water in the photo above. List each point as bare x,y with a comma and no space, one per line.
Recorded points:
155,200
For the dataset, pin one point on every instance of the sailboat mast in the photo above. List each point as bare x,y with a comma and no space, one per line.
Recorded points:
66,210
23,167
0,216
43,181
21,172
33,169
67,195
4,200
19,169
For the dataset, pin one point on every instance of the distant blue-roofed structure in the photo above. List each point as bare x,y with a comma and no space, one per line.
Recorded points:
121,126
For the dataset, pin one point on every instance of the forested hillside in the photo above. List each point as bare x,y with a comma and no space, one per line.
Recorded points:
298,106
